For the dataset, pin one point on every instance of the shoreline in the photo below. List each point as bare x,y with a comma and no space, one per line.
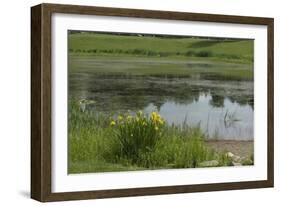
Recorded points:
241,148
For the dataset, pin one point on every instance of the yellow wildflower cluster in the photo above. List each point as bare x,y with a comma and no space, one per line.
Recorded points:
156,119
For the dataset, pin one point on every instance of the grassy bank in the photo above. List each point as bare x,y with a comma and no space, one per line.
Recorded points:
153,46
104,143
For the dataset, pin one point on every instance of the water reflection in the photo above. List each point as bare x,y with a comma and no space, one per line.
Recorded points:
232,121
223,109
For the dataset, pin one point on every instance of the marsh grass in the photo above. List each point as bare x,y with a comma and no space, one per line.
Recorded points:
137,134
103,143
180,149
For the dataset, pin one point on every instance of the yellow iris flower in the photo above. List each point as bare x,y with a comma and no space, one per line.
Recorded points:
156,118
112,123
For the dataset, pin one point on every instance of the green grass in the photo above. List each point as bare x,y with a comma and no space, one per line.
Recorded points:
110,44
96,144
145,66
99,166
213,59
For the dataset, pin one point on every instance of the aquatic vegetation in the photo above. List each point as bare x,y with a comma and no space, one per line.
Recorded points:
230,119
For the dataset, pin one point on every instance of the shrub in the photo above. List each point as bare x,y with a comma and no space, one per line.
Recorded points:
190,53
204,54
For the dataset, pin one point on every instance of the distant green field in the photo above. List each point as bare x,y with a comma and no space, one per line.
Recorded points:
139,66
109,44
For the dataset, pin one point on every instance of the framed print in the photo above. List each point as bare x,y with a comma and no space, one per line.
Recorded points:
130,102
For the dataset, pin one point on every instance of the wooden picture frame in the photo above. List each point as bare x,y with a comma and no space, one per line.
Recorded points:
41,44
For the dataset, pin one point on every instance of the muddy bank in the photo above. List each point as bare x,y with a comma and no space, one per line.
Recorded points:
239,148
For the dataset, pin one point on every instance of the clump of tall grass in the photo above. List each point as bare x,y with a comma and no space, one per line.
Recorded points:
137,134
89,137
179,149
